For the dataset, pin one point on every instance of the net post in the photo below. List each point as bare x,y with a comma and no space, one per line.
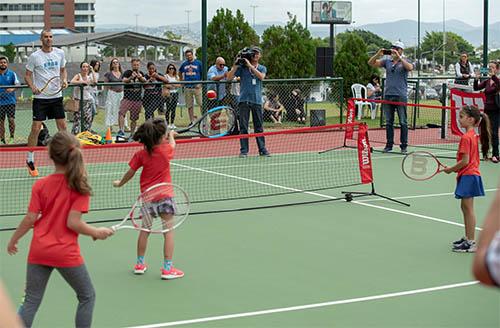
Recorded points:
417,101
443,112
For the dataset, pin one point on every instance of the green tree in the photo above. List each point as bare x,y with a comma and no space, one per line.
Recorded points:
373,41
9,51
227,34
494,55
120,52
174,50
432,44
351,63
288,51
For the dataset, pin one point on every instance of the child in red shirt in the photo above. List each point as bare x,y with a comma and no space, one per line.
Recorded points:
155,162
469,183
54,212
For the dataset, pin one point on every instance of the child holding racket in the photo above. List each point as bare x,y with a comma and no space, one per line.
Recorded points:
54,212
155,162
469,183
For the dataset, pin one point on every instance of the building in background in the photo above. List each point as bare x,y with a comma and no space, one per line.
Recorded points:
78,15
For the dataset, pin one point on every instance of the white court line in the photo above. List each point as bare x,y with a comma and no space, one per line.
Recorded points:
308,306
417,196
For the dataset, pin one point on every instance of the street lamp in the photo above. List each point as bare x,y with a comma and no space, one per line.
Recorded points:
253,7
444,38
188,12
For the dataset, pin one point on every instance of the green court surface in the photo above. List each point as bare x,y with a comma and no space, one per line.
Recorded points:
367,263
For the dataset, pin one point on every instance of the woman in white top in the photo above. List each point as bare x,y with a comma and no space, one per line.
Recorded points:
84,116
114,94
463,70
173,98
95,67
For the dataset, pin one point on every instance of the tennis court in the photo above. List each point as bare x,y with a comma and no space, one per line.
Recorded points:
366,263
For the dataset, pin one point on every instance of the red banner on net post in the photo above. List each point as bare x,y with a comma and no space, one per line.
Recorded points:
364,155
458,99
351,118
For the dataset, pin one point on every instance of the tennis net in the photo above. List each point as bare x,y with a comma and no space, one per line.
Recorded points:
303,162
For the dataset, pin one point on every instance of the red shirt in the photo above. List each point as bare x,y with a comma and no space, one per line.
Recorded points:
469,146
155,167
53,243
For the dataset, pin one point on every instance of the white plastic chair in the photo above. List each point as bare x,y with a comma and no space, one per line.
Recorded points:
359,91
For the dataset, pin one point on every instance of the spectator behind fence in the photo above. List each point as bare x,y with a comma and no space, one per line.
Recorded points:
374,92
44,64
218,72
153,99
491,88
132,97
463,70
273,109
114,93
251,76
172,98
84,116
95,67
396,68
190,70
7,100
297,111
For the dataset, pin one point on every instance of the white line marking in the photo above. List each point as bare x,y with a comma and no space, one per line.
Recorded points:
417,196
307,306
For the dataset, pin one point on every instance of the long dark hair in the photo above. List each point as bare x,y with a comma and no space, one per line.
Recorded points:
484,127
150,133
64,149
171,65
111,65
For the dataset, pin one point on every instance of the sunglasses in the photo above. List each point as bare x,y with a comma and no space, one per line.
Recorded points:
171,68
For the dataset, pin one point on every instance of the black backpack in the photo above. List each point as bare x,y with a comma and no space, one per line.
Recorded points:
43,136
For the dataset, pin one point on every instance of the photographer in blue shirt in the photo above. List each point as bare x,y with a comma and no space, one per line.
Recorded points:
251,75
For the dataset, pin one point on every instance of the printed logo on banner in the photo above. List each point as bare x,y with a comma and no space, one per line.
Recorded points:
364,155
458,99
349,133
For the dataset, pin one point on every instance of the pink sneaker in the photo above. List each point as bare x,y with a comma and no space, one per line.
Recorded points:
140,268
173,273
494,159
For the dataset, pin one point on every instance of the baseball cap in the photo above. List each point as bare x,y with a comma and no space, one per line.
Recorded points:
255,48
398,44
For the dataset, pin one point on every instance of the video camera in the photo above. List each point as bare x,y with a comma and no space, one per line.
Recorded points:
245,53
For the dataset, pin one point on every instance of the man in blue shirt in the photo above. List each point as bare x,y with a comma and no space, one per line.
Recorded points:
395,89
7,100
251,76
217,72
190,70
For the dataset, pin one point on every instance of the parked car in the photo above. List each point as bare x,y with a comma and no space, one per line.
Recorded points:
431,94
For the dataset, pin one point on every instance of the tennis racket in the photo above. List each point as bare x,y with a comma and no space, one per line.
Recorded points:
217,122
52,87
421,165
161,208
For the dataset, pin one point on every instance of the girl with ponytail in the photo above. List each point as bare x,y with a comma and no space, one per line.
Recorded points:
55,210
155,162
469,183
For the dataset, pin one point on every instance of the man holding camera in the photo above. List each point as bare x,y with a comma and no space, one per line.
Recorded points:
251,75
395,90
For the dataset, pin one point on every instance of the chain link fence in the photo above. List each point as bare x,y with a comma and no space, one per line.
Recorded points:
287,103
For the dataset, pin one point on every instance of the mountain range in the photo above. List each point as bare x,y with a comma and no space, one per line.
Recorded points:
404,30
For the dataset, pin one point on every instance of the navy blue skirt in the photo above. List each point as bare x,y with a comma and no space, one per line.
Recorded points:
469,186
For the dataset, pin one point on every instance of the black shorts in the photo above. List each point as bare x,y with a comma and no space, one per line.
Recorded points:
7,111
47,109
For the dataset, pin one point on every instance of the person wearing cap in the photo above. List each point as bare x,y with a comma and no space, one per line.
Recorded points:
395,90
251,76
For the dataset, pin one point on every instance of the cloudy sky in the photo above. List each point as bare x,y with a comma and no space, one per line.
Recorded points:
165,12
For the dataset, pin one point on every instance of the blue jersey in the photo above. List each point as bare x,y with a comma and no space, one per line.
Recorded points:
191,71
8,78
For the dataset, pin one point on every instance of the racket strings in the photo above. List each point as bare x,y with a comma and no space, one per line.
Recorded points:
218,122
420,165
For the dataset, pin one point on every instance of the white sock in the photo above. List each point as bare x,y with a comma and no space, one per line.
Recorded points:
31,157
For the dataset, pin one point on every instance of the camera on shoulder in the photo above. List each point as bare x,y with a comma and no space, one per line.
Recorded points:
245,53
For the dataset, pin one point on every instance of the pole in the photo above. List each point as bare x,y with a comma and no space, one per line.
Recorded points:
485,36
254,6
418,40
136,23
306,14
187,12
204,38
444,38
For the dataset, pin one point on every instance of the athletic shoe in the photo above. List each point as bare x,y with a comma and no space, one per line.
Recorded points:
465,247
495,159
458,242
243,155
387,149
120,134
3,141
404,150
173,273
173,126
264,153
140,268
32,169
